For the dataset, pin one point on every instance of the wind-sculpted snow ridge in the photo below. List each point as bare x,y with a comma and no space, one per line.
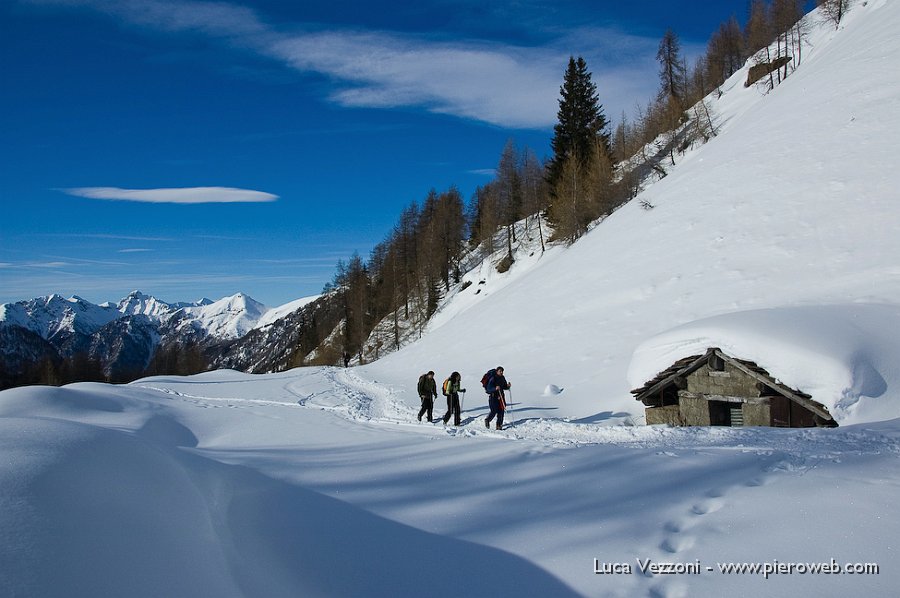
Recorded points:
105,494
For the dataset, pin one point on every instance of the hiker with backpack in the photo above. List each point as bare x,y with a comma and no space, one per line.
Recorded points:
451,390
427,390
495,384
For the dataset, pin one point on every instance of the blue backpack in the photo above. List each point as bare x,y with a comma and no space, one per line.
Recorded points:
486,379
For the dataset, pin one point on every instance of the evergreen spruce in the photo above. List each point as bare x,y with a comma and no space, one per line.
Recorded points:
581,122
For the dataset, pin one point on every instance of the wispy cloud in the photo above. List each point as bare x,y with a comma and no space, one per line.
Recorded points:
47,265
135,250
500,84
186,195
107,236
484,171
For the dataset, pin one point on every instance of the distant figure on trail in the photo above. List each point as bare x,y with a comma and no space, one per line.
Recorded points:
494,384
346,359
451,390
427,393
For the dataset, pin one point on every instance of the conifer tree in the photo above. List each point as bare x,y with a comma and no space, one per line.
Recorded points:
509,187
758,31
534,192
725,52
672,75
580,119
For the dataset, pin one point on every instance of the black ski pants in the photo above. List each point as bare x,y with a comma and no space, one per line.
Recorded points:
452,408
427,406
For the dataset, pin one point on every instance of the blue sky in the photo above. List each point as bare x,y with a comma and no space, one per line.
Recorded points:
191,149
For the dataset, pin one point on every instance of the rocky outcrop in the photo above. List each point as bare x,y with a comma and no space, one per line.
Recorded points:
758,71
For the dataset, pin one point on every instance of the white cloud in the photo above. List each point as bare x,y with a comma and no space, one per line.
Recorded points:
186,195
135,250
500,84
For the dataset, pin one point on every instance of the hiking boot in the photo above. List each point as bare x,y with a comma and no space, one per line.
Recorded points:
420,418
499,427
487,424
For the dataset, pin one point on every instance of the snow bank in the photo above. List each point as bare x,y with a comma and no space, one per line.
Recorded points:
846,356
103,495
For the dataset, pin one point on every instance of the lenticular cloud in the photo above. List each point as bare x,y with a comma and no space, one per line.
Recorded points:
186,195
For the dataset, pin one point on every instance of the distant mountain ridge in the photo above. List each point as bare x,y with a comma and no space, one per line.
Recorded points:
122,338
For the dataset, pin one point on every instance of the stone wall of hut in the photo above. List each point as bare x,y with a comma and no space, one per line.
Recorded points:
728,382
694,407
670,414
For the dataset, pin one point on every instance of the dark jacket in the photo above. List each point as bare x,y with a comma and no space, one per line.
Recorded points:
496,384
426,387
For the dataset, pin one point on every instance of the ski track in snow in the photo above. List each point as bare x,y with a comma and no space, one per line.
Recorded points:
368,402
365,402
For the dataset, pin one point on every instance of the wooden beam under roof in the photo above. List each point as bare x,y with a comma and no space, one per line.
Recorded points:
771,382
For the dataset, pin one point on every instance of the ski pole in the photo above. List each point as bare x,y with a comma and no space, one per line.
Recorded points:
509,404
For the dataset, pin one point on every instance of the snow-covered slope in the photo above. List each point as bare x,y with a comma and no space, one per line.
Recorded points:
793,204
276,313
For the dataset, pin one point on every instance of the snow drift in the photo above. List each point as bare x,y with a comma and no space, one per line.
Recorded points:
843,355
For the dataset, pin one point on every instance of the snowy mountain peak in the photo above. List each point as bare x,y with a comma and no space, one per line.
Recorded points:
53,314
138,303
229,317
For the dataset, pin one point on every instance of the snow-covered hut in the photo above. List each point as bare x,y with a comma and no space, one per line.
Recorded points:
715,389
